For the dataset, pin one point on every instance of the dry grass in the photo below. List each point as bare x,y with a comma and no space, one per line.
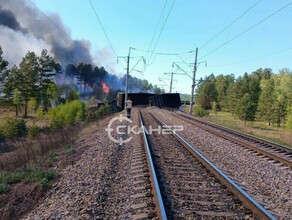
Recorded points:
28,151
30,120
280,135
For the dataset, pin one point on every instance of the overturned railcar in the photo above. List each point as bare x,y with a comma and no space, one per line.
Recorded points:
137,98
169,100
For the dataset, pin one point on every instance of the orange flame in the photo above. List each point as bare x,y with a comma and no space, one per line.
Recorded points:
105,87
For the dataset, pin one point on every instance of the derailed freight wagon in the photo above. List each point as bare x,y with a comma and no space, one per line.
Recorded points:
169,100
137,99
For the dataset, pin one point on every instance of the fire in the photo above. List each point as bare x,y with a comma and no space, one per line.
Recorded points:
105,87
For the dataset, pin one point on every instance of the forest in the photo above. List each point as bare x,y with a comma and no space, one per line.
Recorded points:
262,96
42,82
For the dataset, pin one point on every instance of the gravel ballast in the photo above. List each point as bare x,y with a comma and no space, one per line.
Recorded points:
267,182
96,186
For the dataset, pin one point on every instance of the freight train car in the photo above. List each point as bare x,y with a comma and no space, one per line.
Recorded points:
137,98
170,100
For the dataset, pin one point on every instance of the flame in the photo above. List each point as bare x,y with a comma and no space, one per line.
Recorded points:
105,87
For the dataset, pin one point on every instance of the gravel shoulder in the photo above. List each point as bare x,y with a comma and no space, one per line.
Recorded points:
96,186
267,182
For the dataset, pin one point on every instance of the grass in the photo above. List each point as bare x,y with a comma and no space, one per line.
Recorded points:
30,119
279,135
27,175
4,188
28,151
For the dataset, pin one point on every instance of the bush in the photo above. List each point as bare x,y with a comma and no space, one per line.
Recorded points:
33,174
289,118
103,110
56,123
22,128
32,131
32,104
40,114
200,112
3,188
11,177
52,156
67,114
11,127
37,174
91,115
214,107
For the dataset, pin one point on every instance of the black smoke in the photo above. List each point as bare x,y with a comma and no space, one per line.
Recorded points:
8,19
30,29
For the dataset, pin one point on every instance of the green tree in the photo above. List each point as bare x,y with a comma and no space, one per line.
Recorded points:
254,92
206,93
47,70
16,100
214,107
73,95
283,82
248,84
29,74
11,82
289,118
222,84
263,73
3,70
232,98
86,76
52,93
265,110
243,108
158,90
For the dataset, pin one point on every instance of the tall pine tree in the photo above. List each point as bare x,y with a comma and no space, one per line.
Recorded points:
3,71
265,110
47,70
29,76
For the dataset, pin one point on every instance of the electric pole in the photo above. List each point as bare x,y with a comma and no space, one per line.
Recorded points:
171,79
127,58
194,82
127,76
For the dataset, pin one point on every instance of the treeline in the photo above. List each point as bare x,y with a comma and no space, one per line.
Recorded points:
33,80
91,77
260,96
34,83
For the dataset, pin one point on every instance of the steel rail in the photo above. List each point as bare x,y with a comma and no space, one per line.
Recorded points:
243,143
259,211
282,147
161,210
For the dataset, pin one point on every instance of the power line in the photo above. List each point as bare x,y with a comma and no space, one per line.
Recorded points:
164,53
220,32
187,64
61,29
255,58
156,27
162,29
245,31
99,21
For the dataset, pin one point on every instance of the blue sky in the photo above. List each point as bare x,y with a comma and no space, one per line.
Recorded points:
131,23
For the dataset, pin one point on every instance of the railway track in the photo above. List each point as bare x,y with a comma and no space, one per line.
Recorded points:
275,152
188,186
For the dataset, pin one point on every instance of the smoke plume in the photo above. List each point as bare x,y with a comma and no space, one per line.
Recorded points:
8,19
23,27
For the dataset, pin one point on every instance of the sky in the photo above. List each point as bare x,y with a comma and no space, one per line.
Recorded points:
241,36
